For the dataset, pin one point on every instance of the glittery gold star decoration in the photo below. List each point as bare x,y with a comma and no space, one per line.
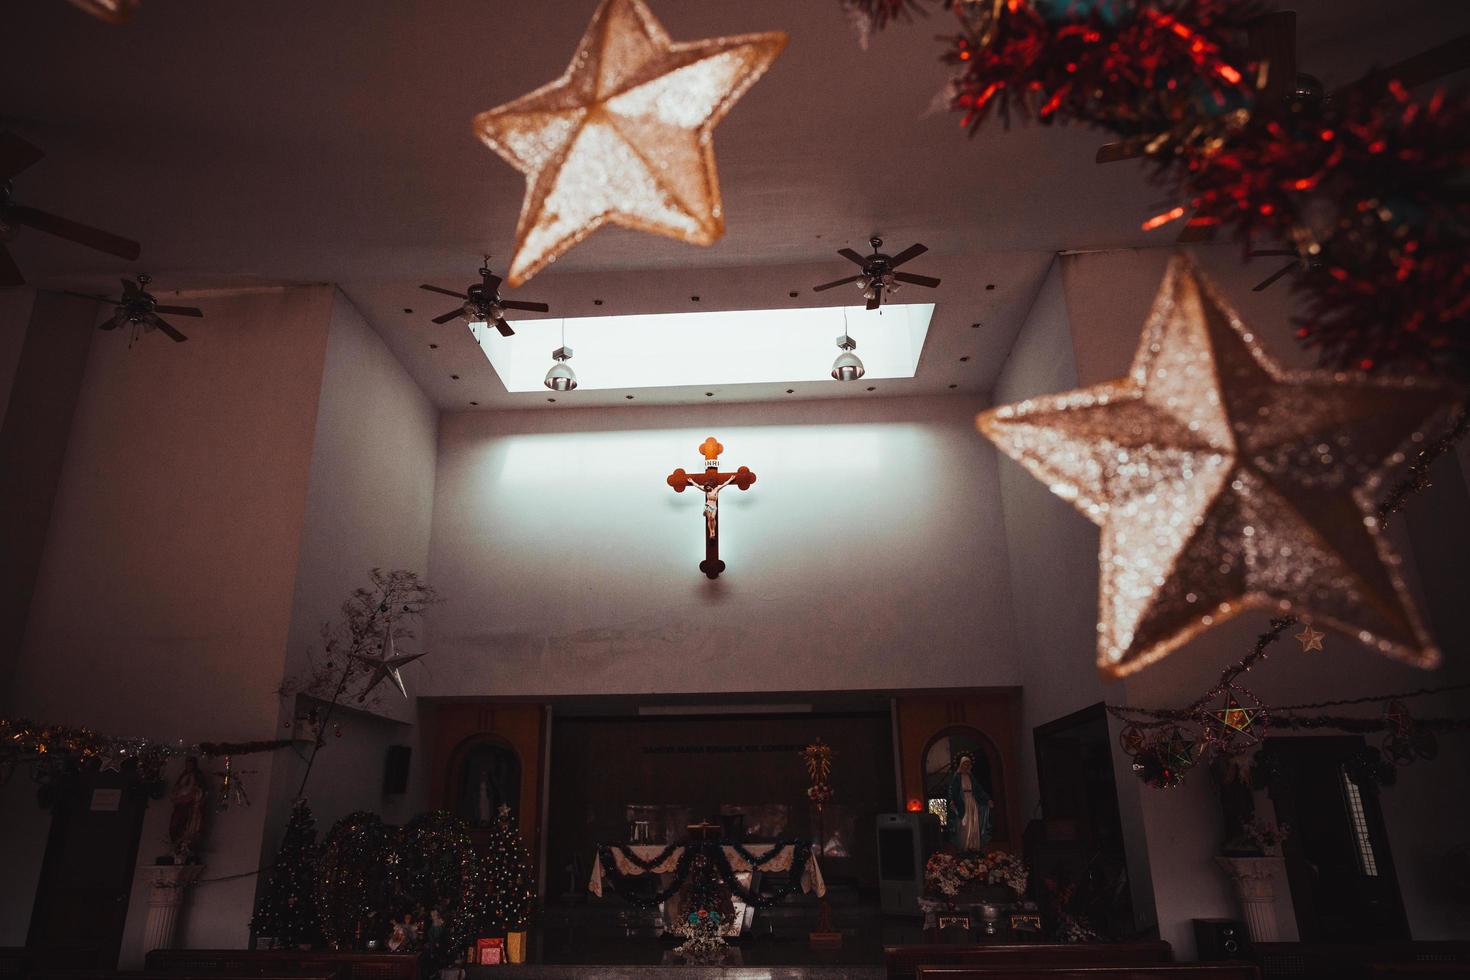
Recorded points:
1224,482
1310,639
625,135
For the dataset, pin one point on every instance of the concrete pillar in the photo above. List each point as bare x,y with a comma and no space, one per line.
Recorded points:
167,884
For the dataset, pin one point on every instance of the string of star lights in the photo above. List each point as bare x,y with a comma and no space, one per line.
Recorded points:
1165,743
1416,477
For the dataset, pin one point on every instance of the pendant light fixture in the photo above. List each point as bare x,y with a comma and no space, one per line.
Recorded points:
848,366
561,377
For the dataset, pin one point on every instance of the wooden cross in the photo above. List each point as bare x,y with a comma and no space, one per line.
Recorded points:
711,481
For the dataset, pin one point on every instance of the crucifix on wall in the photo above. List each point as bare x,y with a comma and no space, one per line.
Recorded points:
711,482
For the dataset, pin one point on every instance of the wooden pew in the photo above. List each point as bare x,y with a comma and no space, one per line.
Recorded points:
1321,961
44,974
15,964
1148,971
903,961
259,963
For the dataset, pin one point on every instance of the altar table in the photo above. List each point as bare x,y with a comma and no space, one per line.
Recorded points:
811,875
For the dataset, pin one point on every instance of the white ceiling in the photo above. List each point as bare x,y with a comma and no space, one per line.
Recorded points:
278,141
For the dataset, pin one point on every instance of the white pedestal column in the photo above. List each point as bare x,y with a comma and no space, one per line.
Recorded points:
1255,886
167,883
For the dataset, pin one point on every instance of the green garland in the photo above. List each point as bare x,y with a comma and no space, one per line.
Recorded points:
714,852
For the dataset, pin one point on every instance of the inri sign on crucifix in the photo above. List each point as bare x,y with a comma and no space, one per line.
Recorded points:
711,482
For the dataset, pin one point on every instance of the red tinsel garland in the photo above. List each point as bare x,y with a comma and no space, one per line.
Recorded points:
1368,187
1169,71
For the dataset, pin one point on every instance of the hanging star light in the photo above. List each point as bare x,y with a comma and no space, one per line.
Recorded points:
1131,739
231,788
625,135
1310,639
1236,722
385,667
1223,482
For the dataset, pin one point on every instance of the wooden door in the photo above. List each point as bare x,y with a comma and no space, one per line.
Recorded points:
87,873
1343,884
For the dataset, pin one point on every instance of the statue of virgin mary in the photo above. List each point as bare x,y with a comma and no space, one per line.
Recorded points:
969,807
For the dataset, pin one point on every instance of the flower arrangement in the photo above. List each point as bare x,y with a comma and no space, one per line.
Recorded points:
1267,836
950,875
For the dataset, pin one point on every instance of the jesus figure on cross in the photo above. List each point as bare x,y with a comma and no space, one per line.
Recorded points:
712,503
711,482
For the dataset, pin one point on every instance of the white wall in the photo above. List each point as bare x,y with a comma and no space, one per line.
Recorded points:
160,606
368,504
1053,588
869,554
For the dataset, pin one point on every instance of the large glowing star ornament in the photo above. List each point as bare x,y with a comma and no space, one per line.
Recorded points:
1223,482
625,135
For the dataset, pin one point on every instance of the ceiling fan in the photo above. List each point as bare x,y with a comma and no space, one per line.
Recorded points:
138,308
482,302
16,155
878,277
1297,261
1271,40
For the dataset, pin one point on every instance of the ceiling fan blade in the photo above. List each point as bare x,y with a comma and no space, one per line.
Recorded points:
912,252
917,280
1264,283
1271,38
514,304
836,282
16,155
179,310
130,288
1114,152
74,231
95,299
441,289
852,256
167,329
1442,59
9,271
504,328
113,323
449,316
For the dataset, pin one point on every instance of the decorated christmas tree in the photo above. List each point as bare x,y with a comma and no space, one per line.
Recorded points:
357,881
510,889
286,910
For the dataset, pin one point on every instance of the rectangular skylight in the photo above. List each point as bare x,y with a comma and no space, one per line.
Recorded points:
719,348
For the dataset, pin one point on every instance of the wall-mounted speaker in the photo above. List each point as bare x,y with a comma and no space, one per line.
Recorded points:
1220,939
395,770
